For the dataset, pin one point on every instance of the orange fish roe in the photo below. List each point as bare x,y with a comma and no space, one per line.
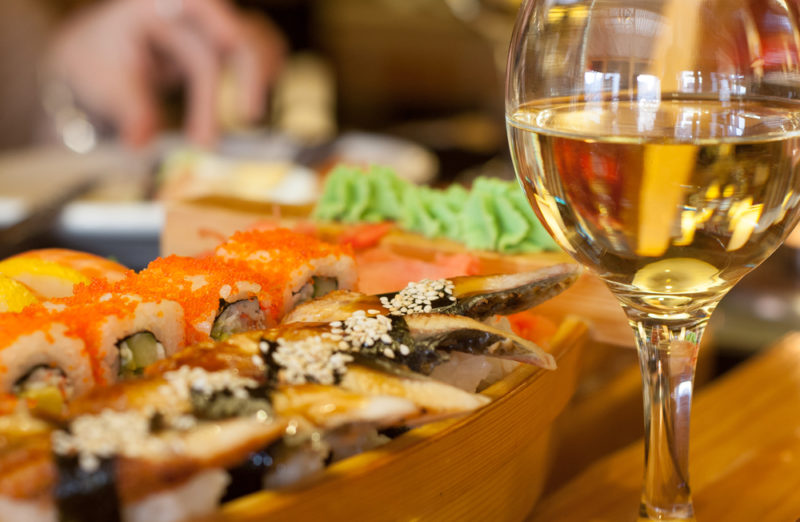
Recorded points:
281,248
85,317
14,325
279,253
198,284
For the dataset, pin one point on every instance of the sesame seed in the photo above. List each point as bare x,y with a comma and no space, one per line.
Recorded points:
360,330
419,297
183,381
108,433
310,360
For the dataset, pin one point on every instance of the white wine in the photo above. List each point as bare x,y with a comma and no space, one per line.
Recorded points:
670,202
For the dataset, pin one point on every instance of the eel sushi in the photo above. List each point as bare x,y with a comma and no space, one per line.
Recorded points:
41,360
128,465
218,297
170,446
221,419
312,355
479,297
444,318
303,266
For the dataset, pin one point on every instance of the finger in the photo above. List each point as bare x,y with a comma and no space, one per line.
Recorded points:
256,64
199,63
217,19
137,117
125,92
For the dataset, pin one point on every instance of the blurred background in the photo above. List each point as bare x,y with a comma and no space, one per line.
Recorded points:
414,84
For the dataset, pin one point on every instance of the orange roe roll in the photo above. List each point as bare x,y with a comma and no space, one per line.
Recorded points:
90,265
302,266
53,272
41,359
123,332
218,297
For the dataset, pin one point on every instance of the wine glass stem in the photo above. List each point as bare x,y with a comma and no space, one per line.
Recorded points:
667,355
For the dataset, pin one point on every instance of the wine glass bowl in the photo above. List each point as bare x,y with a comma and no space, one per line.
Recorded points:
658,141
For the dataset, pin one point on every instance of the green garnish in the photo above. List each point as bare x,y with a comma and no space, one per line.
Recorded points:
492,215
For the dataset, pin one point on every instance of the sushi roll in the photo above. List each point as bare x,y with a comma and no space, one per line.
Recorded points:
91,266
302,266
54,272
123,332
41,360
218,297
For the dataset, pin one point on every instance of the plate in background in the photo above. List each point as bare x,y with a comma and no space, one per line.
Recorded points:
120,217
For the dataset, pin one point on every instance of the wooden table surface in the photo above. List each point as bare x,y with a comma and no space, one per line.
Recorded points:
744,456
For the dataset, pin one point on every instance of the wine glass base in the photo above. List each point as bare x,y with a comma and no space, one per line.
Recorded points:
679,513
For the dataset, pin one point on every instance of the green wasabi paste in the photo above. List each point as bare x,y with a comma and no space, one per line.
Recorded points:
492,215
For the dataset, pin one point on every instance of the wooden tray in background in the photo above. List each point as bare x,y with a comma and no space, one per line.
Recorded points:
490,465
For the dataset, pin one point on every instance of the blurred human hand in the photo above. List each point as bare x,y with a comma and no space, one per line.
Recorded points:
116,56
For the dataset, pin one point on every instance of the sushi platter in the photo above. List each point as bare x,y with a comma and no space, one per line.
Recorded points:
256,381
490,465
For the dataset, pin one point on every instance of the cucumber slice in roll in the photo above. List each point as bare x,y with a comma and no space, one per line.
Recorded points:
324,285
138,351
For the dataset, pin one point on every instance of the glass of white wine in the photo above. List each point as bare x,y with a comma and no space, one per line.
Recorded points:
659,142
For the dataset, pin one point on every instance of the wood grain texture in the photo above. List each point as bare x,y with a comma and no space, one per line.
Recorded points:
745,453
490,465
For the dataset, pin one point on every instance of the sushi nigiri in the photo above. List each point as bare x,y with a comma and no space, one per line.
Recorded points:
478,297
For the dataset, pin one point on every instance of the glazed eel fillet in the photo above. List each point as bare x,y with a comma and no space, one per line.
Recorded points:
219,420
445,314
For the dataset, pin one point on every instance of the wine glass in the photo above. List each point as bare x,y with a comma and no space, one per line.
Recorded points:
658,141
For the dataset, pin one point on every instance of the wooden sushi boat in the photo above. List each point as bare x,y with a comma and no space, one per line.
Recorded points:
490,465
489,455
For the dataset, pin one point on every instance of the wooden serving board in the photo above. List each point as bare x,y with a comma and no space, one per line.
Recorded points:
490,465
